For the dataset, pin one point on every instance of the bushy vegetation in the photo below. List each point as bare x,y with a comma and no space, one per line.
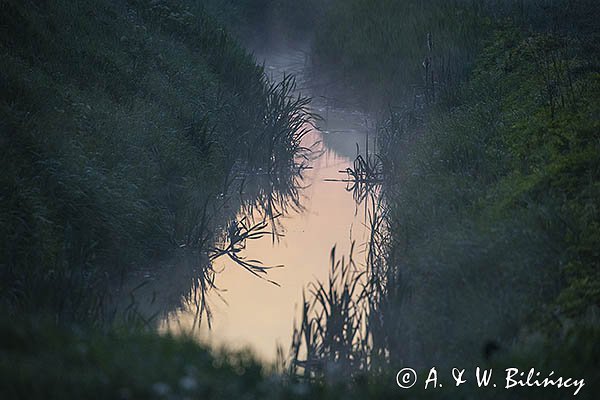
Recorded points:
494,207
122,123
490,150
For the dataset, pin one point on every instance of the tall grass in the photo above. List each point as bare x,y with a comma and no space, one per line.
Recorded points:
490,170
124,124
331,331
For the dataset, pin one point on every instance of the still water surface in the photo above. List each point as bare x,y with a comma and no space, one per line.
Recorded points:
248,312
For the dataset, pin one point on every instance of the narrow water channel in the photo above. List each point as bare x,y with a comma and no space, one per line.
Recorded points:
248,312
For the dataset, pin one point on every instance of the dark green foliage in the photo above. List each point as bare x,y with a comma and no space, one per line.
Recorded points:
121,122
491,155
494,204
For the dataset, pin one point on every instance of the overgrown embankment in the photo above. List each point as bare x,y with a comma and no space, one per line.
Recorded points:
120,124
492,159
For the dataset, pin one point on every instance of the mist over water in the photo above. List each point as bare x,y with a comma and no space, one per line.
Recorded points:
372,197
248,312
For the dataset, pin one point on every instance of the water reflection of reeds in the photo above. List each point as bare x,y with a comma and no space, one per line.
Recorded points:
260,187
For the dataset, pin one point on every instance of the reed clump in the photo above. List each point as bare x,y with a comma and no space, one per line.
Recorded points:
123,124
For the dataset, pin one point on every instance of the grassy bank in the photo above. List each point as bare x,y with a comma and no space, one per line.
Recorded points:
122,122
489,140
493,212
123,125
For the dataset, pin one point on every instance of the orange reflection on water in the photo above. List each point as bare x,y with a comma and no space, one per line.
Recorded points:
257,314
